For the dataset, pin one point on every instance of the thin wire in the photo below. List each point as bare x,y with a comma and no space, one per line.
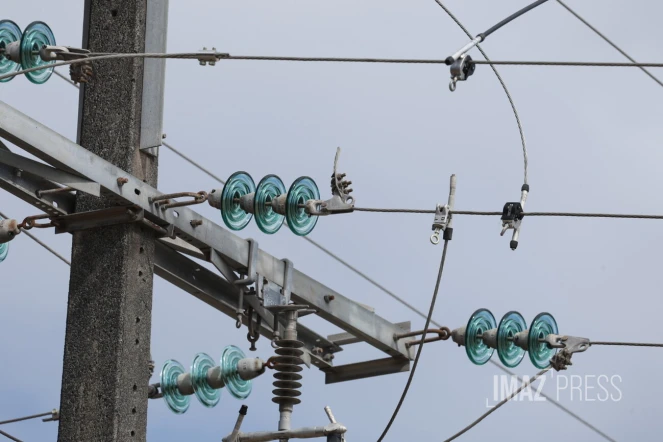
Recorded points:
607,40
34,416
421,346
571,63
392,294
9,436
502,402
499,77
56,72
180,55
627,344
334,59
38,241
190,161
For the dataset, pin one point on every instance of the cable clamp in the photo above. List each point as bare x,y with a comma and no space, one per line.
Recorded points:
207,56
512,216
461,70
440,222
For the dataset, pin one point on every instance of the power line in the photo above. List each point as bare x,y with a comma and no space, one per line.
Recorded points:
9,436
571,63
25,418
607,40
502,402
499,78
421,346
400,300
626,344
524,214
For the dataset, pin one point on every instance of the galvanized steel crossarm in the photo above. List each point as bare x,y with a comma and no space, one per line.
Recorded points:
49,146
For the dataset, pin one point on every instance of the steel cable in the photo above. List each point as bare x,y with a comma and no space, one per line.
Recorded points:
421,346
626,344
9,436
499,77
606,39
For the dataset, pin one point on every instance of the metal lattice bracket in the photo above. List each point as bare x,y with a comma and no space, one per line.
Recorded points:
204,240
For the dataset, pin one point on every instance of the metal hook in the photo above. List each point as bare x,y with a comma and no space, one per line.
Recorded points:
452,84
435,237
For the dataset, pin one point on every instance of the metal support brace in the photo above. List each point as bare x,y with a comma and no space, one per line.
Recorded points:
50,173
51,147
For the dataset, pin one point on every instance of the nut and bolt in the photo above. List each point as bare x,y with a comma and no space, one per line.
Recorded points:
329,298
121,181
196,222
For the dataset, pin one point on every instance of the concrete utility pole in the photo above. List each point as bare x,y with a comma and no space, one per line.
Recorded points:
107,342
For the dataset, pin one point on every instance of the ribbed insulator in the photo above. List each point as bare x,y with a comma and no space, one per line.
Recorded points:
287,365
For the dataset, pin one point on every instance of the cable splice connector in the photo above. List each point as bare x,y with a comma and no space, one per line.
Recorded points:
512,216
443,218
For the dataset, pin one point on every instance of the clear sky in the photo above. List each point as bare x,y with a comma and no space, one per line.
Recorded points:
594,138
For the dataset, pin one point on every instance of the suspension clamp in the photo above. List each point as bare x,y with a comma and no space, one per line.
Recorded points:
512,216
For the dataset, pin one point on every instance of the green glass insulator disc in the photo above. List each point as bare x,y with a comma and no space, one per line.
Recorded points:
299,221
268,189
9,33
510,354
36,35
238,185
4,250
540,352
207,395
176,401
480,322
238,387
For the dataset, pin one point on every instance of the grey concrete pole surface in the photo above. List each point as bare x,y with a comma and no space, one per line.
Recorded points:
107,343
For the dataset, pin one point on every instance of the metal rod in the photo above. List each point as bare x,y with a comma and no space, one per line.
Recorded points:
34,416
41,193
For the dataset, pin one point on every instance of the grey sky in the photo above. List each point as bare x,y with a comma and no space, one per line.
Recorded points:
594,141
